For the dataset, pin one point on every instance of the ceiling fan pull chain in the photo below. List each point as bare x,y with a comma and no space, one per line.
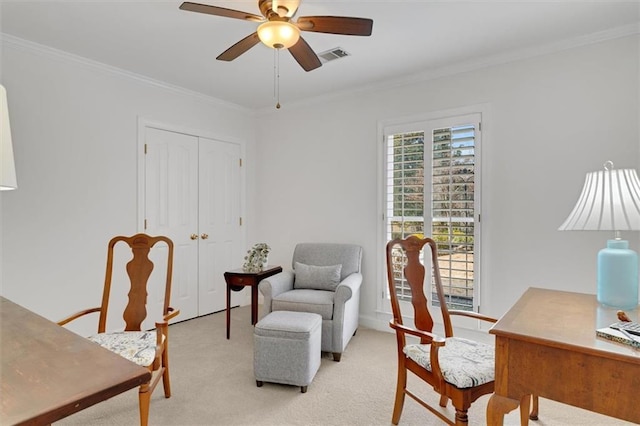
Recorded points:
277,84
274,73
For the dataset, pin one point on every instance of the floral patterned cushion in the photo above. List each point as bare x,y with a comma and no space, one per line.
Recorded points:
136,346
464,363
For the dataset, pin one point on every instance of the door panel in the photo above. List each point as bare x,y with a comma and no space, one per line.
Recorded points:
219,217
171,209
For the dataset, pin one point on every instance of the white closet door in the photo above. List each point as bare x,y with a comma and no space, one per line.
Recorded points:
219,220
171,209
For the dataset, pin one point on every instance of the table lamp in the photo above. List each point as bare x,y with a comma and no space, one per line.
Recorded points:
610,201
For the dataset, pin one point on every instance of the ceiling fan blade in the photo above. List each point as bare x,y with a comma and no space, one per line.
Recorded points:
239,48
304,54
220,11
336,25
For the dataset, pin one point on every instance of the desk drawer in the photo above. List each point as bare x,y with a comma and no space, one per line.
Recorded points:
240,280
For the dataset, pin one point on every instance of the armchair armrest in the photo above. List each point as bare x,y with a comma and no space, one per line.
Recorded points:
276,284
162,332
346,311
425,338
348,287
171,313
78,315
273,286
471,314
435,339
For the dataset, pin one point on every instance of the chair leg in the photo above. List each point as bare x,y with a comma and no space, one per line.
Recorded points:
461,417
144,396
534,409
443,401
400,387
166,381
337,356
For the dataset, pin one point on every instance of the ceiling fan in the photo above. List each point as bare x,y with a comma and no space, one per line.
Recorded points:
278,31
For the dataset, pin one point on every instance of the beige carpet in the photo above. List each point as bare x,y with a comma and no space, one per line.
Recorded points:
213,384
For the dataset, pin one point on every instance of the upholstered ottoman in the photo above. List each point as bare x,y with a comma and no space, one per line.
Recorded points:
287,348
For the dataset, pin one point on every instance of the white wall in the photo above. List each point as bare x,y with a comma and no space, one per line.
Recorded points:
75,139
552,119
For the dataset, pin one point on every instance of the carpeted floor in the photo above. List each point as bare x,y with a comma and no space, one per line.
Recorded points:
213,384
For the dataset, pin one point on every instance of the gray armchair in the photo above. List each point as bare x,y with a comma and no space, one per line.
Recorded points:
325,280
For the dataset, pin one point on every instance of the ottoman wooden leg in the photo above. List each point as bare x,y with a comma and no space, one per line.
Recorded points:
303,389
259,383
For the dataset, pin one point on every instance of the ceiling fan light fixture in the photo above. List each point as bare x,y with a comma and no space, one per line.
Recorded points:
278,34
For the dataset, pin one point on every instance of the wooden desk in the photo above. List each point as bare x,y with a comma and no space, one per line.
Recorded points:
238,279
546,344
48,372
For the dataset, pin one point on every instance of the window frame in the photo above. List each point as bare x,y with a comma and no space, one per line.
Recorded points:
427,123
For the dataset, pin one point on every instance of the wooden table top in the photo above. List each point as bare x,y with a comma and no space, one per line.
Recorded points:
48,372
565,320
269,270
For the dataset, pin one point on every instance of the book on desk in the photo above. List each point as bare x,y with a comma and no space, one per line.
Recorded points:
617,336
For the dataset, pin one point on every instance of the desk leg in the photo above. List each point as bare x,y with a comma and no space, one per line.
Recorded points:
254,304
498,406
228,309
525,405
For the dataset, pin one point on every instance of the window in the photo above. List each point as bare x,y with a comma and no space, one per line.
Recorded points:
432,189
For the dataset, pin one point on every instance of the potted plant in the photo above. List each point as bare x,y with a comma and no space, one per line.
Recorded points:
256,258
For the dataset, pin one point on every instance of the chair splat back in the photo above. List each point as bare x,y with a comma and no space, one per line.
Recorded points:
139,269
414,274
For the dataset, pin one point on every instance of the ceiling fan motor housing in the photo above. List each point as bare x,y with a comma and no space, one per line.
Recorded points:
271,9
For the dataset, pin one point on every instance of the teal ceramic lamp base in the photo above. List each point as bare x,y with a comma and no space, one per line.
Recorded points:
618,275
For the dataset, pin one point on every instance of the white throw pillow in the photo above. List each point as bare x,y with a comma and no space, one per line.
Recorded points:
317,277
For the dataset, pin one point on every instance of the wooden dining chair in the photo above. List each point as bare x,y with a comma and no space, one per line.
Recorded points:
458,369
146,348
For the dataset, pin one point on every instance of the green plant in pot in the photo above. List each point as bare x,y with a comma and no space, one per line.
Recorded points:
256,258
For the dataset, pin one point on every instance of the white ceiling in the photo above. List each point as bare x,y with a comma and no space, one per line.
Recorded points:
157,40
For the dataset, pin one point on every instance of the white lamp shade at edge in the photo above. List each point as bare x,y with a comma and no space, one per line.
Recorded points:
8,179
610,201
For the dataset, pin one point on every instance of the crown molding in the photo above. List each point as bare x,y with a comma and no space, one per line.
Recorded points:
431,74
10,41
472,65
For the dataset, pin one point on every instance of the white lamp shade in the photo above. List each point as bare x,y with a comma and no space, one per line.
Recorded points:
278,34
7,166
610,201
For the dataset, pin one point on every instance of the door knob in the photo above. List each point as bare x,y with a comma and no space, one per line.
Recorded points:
204,236
194,236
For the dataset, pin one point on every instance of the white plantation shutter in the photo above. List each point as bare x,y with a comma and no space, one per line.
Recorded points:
453,210
404,195
432,178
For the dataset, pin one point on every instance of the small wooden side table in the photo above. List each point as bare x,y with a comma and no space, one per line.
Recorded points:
239,279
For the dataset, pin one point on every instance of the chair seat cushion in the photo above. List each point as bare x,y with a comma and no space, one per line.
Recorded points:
314,301
136,346
464,363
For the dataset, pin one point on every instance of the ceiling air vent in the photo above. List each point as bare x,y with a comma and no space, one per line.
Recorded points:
332,54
